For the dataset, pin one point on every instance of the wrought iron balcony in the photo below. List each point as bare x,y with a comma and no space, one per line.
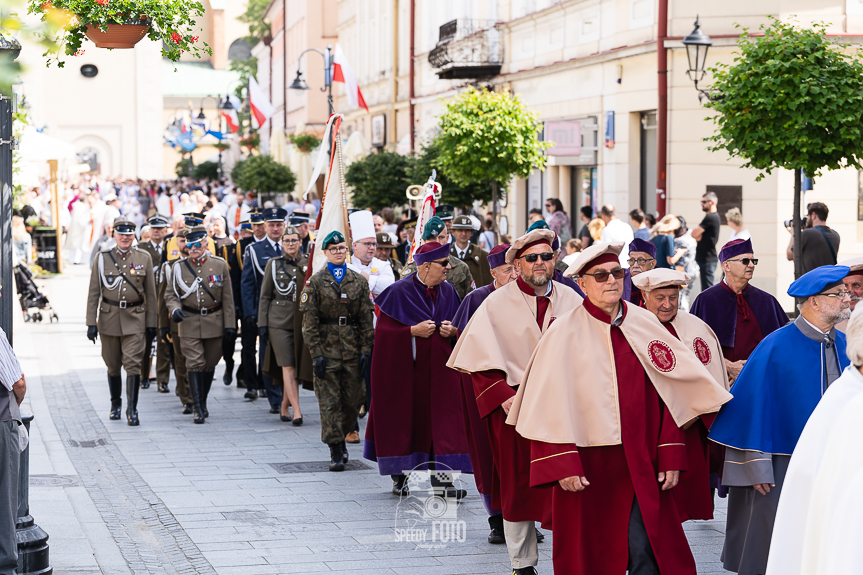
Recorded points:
467,49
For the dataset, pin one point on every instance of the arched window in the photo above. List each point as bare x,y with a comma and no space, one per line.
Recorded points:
89,156
240,50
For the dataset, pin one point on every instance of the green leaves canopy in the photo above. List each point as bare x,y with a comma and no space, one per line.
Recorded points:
489,136
792,99
264,175
379,180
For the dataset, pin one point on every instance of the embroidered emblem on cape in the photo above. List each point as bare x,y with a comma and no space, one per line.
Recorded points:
702,351
661,356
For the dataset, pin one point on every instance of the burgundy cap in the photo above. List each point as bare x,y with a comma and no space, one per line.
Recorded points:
431,251
497,256
735,248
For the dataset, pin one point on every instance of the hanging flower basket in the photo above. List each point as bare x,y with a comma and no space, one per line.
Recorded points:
222,146
122,24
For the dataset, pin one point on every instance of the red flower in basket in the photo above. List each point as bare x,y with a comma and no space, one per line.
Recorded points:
175,38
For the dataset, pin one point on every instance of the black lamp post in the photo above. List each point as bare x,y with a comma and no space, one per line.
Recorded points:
300,84
201,118
9,50
697,44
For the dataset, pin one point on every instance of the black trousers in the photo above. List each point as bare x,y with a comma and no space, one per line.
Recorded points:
274,394
248,356
641,558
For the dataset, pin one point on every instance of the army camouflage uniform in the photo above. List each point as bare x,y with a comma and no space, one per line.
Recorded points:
337,325
459,276
476,259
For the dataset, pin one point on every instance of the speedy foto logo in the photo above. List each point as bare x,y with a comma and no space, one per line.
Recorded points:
428,513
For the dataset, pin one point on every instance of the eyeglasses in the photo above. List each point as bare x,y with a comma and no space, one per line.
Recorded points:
706,201
640,261
746,261
290,242
602,276
531,258
197,244
368,244
839,294
340,250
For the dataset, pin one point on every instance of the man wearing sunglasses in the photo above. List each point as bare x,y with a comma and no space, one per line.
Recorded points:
661,288
504,333
199,298
739,313
338,328
774,395
604,419
417,414
459,275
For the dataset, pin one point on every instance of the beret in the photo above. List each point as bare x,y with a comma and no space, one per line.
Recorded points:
497,255
585,260
660,278
431,251
334,237
433,228
532,237
735,248
818,280
640,245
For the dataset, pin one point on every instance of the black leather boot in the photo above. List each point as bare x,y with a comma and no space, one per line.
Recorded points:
344,452
133,386
496,536
115,385
145,384
206,385
229,372
336,462
400,485
196,388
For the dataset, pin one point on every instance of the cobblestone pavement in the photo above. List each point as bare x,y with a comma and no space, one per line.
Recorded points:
227,497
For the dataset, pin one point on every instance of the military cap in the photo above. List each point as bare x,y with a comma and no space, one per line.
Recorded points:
598,253
256,217
385,240
334,237
444,211
157,221
195,234
290,230
245,225
299,218
182,232
194,219
538,225
462,223
640,245
660,278
411,223
433,228
274,214
818,280
124,227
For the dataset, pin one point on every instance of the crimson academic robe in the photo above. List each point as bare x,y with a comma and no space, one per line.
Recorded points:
592,536
416,409
479,447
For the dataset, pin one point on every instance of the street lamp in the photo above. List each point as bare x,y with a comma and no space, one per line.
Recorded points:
697,44
300,84
201,118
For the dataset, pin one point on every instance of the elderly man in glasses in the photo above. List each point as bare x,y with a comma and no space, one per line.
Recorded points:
605,419
416,420
459,276
642,258
494,349
854,282
740,314
774,395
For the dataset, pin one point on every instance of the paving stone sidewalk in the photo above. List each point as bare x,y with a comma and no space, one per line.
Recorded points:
227,497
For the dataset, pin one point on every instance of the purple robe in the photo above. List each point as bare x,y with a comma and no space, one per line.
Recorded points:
569,282
406,302
717,307
470,304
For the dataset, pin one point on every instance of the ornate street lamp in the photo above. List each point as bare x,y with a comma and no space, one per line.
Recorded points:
300,84
697,44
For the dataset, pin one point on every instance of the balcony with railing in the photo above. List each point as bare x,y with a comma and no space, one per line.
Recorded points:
468,49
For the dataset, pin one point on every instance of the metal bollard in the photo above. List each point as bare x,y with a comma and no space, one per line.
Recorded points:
32,539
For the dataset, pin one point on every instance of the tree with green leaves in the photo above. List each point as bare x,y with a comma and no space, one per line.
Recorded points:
264,175
379,180
793,99
206,171
459,195
489,137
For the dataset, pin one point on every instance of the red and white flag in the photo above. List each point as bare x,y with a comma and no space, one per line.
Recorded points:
261,107
342,72
232,120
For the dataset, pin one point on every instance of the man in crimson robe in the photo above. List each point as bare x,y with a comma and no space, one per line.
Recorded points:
642,258
416,418
494,349
605,418
740,314
477,433
661,291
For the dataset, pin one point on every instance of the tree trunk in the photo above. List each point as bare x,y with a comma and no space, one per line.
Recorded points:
798,261
494,211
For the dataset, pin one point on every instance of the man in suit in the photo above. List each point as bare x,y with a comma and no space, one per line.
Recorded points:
199,297
474,256
255,260
123,292
247,376
155,246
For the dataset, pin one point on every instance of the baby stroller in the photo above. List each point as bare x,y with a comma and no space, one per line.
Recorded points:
30,296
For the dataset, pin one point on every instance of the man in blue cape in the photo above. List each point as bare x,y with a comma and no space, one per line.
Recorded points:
774,395
416,419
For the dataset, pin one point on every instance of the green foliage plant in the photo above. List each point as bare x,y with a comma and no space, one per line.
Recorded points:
379,180
183,168
206,171
264,175
305,142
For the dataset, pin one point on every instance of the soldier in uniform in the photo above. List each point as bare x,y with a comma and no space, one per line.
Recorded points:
337,326
198,296
474,256
233,254
255,260
248,337
459,276
445,212
171,251
169,330
301,221
385,252
123,292
403,250
282,280
155,246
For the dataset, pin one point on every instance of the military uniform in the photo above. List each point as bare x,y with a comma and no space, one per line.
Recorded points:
282,280
476,259
459,276
233,255
123,295
202,290
163,358
337,325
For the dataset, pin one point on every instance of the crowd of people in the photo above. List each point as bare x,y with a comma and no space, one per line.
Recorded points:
567,369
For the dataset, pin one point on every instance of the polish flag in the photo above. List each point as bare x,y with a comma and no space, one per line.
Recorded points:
342,72
261,107
232,120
